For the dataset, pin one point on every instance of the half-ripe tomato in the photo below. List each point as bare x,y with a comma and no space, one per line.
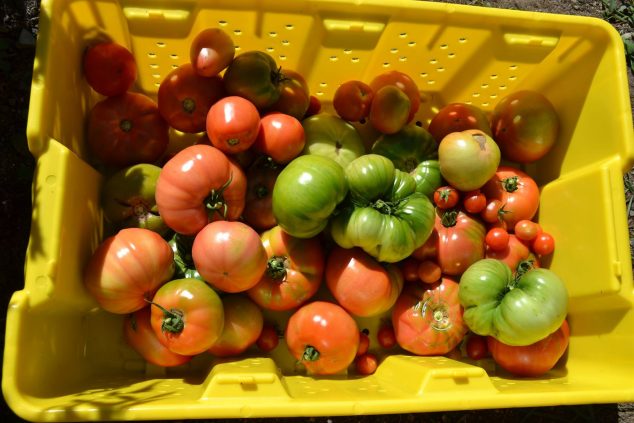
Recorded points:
512,254
294,271
458,117
189,190
361,284
242,328
109,68
268,339
126,269
184,98
517,192
404,82
389,109
323,337
211,51
229,256
352,100
255,76
534,359
427,319
139,334
187,316
233,124
460,241
294,95
126,130
527,230
281,137
258,208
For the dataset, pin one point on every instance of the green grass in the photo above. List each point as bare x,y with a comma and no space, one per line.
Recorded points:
621,14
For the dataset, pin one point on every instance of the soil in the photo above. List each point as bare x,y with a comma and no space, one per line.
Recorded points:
18,31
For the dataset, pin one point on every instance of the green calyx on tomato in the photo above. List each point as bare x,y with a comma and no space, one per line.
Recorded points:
515,309
183,261
276,268
173,319
214,202
310,354
384,215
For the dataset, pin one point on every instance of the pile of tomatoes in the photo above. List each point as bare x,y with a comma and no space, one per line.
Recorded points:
274,203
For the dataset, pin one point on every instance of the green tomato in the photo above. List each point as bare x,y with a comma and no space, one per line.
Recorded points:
306,193
128,200
383,215
428,178
516,310
332,137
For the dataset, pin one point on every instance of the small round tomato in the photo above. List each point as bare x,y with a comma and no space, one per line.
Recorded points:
294,95
323,337
352,100
119,274
229,256
517,191
242,327
258,208
409,269
493,211
211,51
139,334
268,339
497,239
255,76
314,106
185,97
404,82
474,201
458,117
429,271
233,124
527,230
446,197
364,343
389,109
280,137
476,347
187,316
109,68
126,130
366,364
386,337
543,244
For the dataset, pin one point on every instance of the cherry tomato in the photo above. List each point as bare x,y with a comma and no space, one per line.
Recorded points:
184,98
211,51
242,327
458,117
543,244
364,343
497,239
409,268
314,106
493,211
446,197
268,339
258,209
109,68
280,137
366,364
474,201
352,100
386,337
477,347
127,129
322,336
389,109
404,82
527,230
233,124
429,271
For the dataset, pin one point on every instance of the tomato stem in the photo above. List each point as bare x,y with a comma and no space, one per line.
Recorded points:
172,319
449,218
189,105
510,184
125,125
276,268
310,354
215,202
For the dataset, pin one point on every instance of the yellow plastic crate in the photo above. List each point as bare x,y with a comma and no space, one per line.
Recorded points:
65,359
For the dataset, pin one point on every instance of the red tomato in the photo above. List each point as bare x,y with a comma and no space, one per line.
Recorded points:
460,241
109,68
190,187
139,334
258,209
364,343
474,201
477,347
497,239
527,230
428,320
126,269
386,337
323,337
242,327
187,316
525,126
294,95
517,191
544,244
268,339
512,254
409,269
404,83
429,271
493,212
389,109
294,271
281,137
211,51
458,117
314,106
361,284
531,360
446,197
233,124
234,194
126,130
184,98
229,256
352,100
366,364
